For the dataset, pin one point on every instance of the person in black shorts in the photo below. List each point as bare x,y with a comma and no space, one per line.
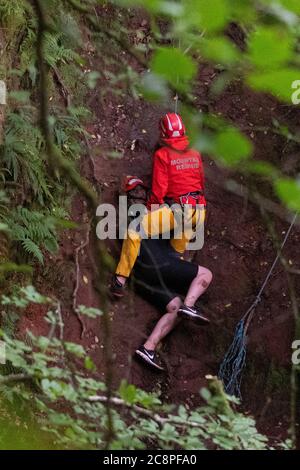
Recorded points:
171,284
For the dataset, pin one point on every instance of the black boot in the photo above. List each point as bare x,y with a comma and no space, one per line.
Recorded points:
116,289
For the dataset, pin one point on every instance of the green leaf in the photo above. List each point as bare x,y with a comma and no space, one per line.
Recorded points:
220,50
231,147
292,5
128,392
277,82
210,15
90,312
171,64
43,342
17,268
32,295
92,78
3,227
170,8
31,248
154,88
270,47
261,168
205,393
51,245
89,364
64,223
289,192
21,96
75,349
242,11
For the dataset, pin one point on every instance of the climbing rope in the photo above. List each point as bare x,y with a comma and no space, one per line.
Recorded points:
176,103
176,98
231,369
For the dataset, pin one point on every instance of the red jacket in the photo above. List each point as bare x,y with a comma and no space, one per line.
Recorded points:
177,170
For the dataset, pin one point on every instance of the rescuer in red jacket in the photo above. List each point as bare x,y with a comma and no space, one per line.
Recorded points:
178,178
177,169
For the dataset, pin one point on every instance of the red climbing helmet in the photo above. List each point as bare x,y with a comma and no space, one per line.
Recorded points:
171,125
131,182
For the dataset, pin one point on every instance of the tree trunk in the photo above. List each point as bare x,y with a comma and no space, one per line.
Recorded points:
2,86
4,242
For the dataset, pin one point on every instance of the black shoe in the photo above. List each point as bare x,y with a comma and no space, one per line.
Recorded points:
193,314
116,289
149,357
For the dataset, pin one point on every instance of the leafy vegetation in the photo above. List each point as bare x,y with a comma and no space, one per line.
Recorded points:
70,404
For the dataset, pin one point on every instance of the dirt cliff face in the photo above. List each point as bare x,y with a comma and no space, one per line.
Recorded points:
237,249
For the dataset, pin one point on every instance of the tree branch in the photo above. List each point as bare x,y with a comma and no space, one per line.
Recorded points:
58,162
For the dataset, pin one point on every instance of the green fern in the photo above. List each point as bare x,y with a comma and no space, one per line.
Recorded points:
33,230
23,155
13,14
67,132
32,249
55,51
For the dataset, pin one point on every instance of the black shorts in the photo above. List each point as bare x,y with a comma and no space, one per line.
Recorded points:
160,275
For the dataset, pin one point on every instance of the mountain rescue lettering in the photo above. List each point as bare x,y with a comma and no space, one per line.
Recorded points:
186,163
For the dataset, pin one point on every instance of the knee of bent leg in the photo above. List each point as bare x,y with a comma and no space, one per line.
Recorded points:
174,305
205,275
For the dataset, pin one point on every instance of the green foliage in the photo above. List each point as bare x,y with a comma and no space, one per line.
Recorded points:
277,82
232,147
210,16
291,5
174,66
289,191
56,52
90,312
68,130
58,44
22,153
32,230
270,48
12,14
220,50
167,7
137,415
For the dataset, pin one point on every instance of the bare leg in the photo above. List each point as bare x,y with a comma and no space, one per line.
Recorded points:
165,324
198,286
122,279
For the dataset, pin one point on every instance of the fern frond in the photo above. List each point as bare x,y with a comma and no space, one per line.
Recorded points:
32,249
33,229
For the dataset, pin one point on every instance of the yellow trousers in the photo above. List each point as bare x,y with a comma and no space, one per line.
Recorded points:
160,221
